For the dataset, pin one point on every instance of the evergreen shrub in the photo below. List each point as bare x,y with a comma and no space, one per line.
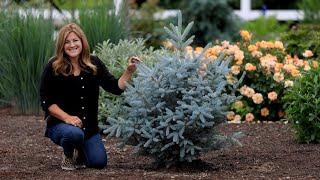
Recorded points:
303,106
214,20
173,108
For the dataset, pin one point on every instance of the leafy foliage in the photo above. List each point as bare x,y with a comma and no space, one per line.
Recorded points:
304,36
174,107
302,107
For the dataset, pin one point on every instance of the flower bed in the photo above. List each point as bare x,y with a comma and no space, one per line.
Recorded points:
269,72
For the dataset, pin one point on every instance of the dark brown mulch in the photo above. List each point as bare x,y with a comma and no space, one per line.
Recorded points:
269,151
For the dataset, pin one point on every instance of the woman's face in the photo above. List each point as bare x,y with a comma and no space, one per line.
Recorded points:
73,46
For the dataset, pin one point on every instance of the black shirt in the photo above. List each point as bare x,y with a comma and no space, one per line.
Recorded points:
77,95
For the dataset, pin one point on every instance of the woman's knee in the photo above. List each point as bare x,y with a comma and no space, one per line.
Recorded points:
74,135
98,162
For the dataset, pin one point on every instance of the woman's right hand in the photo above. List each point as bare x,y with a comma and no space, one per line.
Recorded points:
74,120
57,112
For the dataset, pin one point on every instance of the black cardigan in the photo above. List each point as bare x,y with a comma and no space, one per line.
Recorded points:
76,95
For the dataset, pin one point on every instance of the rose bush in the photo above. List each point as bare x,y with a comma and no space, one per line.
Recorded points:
269,71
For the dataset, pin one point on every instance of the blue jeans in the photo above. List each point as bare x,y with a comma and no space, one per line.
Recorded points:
70,137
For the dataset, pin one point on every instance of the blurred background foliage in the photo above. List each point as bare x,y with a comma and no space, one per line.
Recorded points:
311,9
145,25
101,23
214,20
264,28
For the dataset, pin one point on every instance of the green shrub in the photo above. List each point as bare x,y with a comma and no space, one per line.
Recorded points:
213,20
302,107
115,57
145,25
303,37
265,28
100,23
173,108
26,45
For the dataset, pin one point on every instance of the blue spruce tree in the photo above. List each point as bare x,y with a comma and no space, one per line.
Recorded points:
173,109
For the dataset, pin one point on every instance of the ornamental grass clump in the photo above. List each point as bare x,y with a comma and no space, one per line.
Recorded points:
270,71
303,107
173,108
26,45
101,23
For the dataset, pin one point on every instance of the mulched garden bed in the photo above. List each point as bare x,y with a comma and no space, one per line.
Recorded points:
269,151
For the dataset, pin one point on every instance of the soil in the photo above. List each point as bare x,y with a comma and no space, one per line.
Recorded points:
269,151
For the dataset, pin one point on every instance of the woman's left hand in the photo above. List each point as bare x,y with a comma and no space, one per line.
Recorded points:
132,62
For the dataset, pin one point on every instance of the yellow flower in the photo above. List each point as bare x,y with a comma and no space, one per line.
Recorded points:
252,48
288,83
278,77
213,52
235,69
265,44
230,115
272,95
237,118
298,62
198,50
247,91
256,54
238,56
289,67
238,104
245,35
249,117
307,53
278,67
278,45
295,73
189,48
225,44
250,67
264,112
306,68
315,64
257,98
168,45
230,79
268,61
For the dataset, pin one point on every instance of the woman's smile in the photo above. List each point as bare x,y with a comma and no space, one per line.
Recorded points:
73,46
